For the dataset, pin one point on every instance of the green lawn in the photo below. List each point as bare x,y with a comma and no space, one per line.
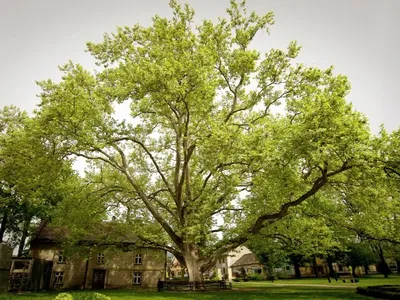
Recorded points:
278,293
309,289
364,281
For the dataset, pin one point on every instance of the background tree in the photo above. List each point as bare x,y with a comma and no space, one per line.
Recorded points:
360,254
202,151
32,175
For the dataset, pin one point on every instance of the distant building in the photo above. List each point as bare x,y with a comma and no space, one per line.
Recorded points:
140,267
224,264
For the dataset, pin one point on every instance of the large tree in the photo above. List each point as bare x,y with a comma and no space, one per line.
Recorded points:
221,138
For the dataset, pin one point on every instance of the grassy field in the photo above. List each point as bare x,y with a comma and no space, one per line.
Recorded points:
317,289
264,294
364,281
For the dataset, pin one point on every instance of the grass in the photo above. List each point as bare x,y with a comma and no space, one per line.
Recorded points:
293,289
364,281
279,293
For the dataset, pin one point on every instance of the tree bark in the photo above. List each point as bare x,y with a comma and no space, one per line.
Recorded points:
353,270
297,269
193,263
3,226
329,260
384,268
296,264
366,269
24,236
315,267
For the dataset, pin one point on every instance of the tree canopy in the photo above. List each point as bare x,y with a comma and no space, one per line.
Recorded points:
32,175
222,141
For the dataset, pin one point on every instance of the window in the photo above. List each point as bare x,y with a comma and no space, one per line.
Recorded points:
21,265
100,258
138,259
287,268
61,257
136,277
58,277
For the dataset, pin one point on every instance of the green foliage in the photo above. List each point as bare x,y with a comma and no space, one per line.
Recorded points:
81,296
33,174
90,296
64,296
361,254
255,277
215,278
391,292
203,142
280,274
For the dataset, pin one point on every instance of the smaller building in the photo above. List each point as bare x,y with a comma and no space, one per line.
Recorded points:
246,265
102,269
29,274
224,264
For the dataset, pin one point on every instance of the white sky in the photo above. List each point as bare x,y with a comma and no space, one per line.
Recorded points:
359,37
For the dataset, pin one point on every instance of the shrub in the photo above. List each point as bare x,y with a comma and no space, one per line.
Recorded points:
280,274
255,277
215,278
391,292
90,296
64,296
272,277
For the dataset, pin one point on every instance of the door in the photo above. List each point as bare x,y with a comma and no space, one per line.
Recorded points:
98,279
47,268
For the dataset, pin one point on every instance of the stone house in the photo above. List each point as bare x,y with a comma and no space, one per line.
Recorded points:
250,265
129,268
224,265
247,263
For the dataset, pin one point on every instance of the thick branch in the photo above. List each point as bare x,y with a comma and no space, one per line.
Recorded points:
152,158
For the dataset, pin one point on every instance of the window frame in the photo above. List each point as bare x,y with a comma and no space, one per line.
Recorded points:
61,258
138,259
57,276
137,278
100,258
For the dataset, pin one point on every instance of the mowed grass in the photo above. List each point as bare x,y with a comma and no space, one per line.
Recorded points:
270,293
309,288
364,281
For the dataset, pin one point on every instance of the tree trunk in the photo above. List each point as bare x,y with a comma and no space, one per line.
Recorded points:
297,268
315,267
3,226
193,264
398,266
353,270
329,260
366,269
383,264
296,259
24,236
195,273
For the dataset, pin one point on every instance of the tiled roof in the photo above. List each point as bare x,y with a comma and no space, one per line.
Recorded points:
105,231
247,259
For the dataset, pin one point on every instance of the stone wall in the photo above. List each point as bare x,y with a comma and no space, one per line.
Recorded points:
5,263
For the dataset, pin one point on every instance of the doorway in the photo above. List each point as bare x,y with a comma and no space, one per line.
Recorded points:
98,279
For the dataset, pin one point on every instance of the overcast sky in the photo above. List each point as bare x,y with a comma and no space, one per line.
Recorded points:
359,37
